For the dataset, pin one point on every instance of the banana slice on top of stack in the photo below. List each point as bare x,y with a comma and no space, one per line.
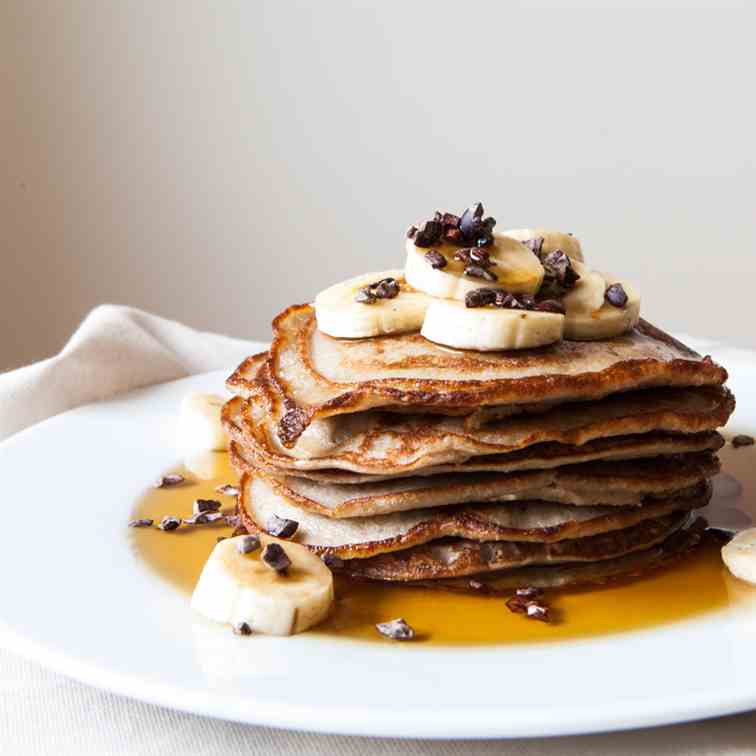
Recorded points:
467,286
552,241
451,272
373,304
488,329
617,312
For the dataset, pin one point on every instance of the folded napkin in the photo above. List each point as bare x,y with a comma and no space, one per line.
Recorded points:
114,349
120,348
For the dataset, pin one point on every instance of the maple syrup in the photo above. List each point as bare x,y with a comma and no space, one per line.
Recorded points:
696,584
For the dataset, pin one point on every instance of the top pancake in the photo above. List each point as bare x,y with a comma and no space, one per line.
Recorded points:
319,376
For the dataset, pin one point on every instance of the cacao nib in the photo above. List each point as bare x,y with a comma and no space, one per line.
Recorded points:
387,288
478,271
168,481
508,301
205,505
275,557
429,233
559,275
474,256
281,527
616,295
463,255
474,228
530,608
332,561
537,611
449,221
469,222
396,629
722,535
517,605
480,297
291,425
742,440
436,259
169,522
203,518
143,522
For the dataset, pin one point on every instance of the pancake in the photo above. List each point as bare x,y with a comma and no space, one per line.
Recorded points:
635,564
528,520
537,457
618,484
384,443
319,376
455,557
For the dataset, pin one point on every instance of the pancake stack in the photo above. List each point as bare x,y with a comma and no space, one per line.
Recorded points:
408,462
493,415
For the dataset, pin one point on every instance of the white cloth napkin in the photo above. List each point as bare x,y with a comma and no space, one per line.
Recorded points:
114,349
119,348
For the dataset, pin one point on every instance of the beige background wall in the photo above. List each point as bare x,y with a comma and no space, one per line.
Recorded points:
215,161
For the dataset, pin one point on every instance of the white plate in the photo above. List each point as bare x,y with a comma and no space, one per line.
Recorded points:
76,599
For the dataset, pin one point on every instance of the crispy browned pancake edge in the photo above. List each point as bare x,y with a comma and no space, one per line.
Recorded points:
457,557
687,368
586,574
470,522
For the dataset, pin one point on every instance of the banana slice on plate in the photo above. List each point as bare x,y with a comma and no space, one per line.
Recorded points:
506,264
552,240
199,427
485,329
373,304
237,587
606,321
740,555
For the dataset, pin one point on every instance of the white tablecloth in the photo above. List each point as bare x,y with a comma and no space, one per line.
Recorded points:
118,348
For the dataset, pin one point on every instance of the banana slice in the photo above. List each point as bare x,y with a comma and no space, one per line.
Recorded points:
199,427
740,555
516,268
486,329
605,322
205,464
240,588
339,314
551,240
587,295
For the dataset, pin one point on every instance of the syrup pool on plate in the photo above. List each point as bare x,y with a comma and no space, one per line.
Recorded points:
696,584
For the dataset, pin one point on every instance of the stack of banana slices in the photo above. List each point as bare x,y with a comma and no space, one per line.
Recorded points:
493,416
